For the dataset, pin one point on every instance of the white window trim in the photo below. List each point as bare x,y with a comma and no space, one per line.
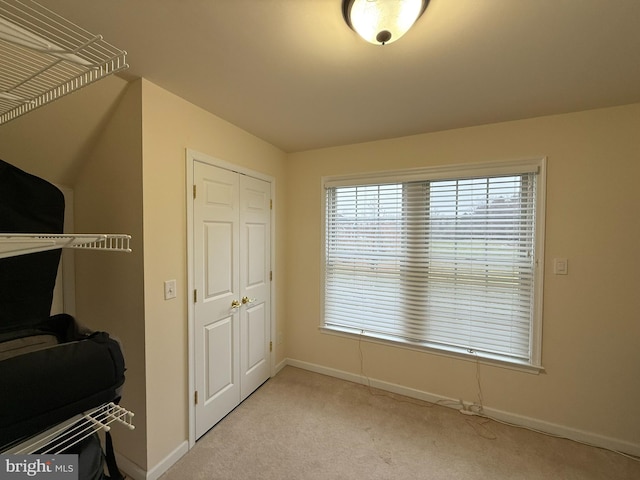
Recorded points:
460,171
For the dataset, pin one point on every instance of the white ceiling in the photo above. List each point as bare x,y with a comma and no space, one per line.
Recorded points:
291,71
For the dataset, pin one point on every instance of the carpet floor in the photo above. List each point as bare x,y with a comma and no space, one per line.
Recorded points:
307,426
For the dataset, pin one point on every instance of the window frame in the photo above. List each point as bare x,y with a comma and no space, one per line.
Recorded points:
448,172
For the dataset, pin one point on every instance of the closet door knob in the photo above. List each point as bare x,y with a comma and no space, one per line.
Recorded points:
246,300
235,304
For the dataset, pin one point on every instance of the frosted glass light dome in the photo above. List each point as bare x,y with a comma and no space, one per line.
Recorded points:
382,21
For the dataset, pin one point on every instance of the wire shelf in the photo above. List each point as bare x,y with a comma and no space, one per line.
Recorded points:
67,434
43,57
13,244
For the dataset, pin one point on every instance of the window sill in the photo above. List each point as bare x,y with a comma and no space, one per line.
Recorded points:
451,352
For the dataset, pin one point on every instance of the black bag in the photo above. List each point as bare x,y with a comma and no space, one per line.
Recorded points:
46,386
81,440
90,458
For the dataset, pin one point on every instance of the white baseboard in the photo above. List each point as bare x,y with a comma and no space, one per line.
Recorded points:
166,463
136,472
570,433
129,468
281,365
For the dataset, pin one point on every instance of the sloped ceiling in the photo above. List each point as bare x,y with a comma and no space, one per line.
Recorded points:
291,71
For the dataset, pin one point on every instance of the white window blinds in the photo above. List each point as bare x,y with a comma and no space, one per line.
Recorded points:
445,263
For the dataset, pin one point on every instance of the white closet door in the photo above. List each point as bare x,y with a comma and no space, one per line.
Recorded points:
232,308
255,267
217,322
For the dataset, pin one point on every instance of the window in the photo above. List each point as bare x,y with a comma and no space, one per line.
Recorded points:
444,259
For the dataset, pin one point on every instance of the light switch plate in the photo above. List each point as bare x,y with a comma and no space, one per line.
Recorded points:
169,289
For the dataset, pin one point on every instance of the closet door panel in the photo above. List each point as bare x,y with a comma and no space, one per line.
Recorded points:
216,321
218,255
255,283
256,275
256,350
219,343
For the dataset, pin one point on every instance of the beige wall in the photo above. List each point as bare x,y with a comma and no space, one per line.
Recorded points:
170,125
109,285
54,141
591,324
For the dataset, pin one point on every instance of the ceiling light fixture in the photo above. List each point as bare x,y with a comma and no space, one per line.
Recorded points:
382,21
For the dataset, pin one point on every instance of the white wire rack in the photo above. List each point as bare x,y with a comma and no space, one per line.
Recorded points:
12,244
67,434
43,57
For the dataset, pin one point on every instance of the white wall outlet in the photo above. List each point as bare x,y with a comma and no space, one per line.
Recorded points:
169,289
560,266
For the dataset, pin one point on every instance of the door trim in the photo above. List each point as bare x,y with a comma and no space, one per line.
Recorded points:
192,156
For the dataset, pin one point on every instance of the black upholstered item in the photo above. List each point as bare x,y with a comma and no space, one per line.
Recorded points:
28,204
44,387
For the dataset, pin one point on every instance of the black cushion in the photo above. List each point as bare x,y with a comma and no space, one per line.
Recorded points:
28,204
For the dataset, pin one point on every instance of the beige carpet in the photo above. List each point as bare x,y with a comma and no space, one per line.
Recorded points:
302,425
